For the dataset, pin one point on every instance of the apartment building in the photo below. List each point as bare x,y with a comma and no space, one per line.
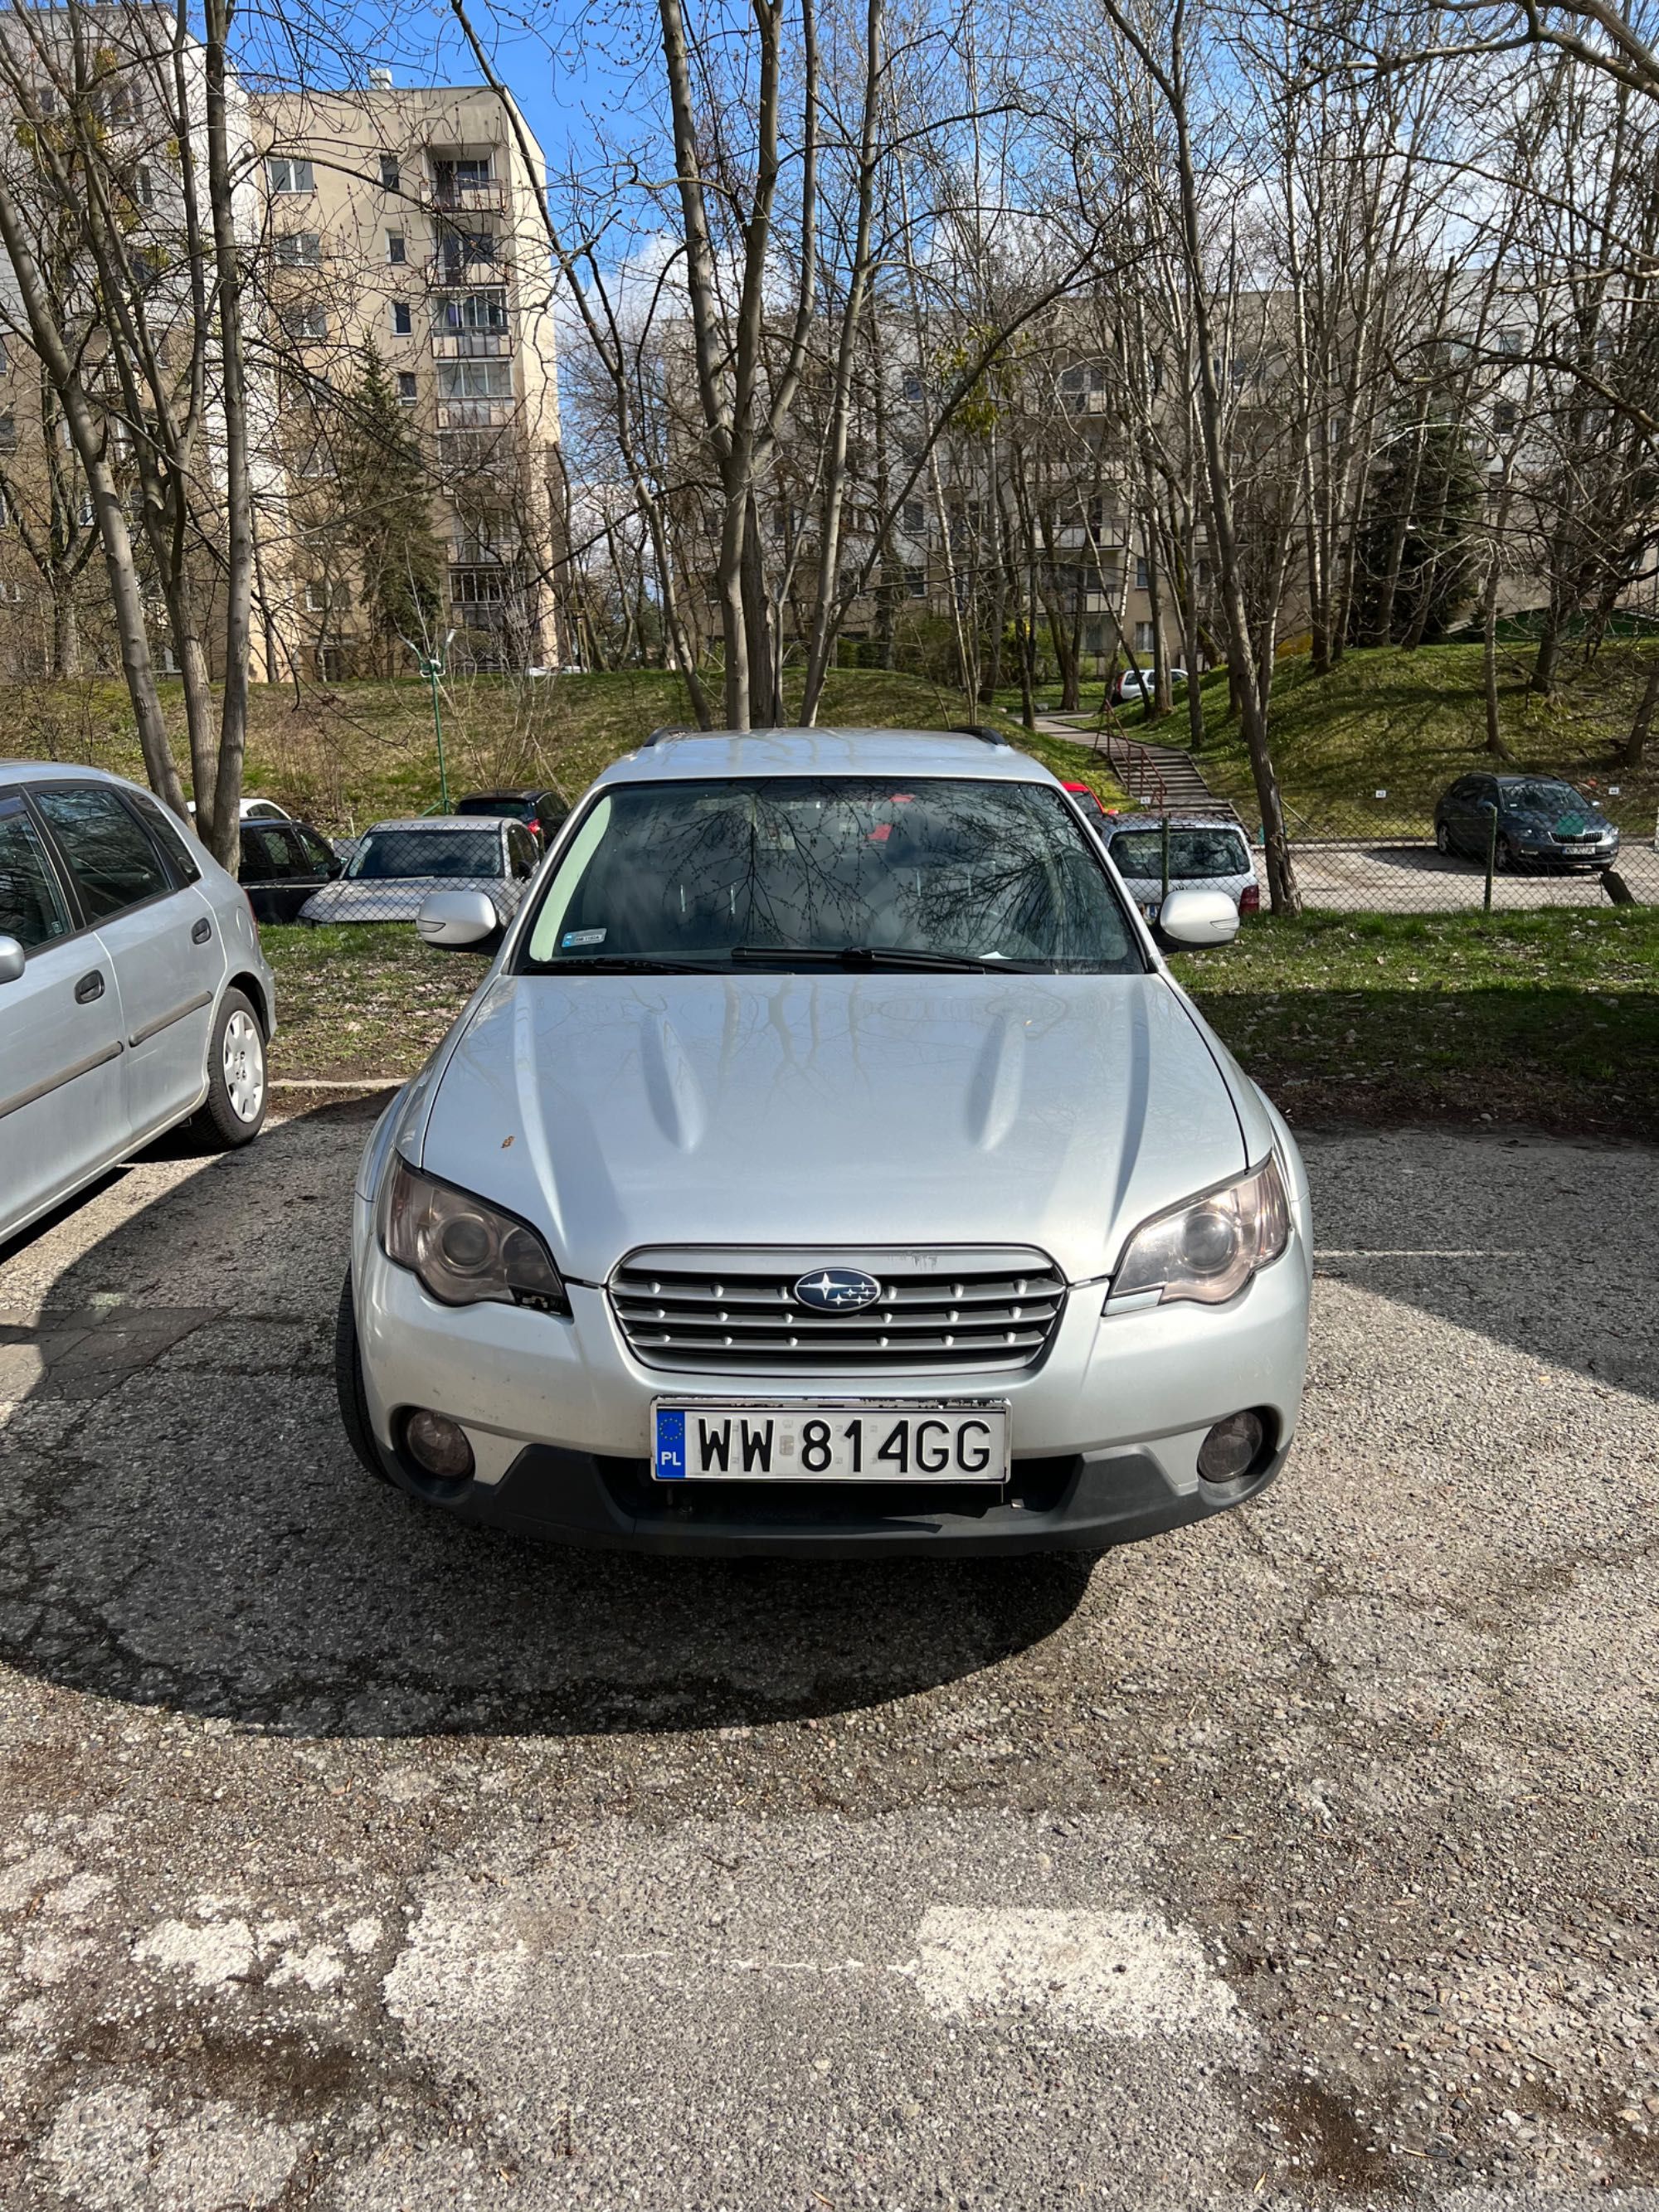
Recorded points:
404,224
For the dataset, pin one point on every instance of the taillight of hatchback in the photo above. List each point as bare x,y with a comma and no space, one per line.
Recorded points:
1249,899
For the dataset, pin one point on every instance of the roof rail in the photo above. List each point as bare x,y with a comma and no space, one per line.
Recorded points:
670,730
984,732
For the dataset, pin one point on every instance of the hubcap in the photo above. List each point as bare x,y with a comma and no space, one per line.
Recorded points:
245,1066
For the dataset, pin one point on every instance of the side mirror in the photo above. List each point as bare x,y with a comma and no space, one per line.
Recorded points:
11,960
1198,918
453,919
336,866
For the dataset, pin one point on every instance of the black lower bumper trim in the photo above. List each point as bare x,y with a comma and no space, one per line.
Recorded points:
1079,1502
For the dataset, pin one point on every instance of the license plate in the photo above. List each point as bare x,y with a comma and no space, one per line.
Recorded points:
1589,848
723,1440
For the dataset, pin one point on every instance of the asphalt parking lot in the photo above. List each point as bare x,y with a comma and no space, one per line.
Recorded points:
1400,878
349,1858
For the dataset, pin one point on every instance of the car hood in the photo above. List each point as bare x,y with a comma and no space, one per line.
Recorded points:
904,1110
398,898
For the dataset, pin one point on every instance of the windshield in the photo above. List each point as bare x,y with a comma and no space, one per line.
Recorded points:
1539,796
1194,855
386,854
710,874
516,810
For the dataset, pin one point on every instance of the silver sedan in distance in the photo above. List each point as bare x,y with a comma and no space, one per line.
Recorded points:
394,866
133,992
827,1165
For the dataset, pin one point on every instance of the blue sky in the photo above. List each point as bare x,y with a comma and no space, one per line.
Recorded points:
553,63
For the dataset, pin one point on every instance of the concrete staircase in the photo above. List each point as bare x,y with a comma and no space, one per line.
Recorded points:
1161,779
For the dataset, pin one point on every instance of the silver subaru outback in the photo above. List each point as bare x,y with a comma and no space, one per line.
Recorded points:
828,1164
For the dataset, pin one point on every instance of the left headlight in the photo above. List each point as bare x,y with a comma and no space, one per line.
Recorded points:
463,1250
1209,1248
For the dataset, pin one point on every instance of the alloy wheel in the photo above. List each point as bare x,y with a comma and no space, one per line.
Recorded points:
245,1066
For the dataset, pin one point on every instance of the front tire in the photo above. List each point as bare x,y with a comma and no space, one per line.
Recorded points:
1504,857
348,1385
234,1112
1442,843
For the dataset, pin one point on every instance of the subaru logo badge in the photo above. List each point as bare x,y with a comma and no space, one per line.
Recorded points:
837,1290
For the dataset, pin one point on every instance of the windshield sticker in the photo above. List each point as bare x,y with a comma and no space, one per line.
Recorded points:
573,938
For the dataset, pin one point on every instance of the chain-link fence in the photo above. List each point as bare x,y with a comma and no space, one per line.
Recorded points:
1499,839
385,874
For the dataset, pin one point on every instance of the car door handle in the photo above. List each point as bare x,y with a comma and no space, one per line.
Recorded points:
201,931
90,988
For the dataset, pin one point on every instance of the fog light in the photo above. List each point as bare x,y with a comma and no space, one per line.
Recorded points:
439,1444
1230,1447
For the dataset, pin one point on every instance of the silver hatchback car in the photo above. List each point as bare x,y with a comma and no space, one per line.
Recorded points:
133,992
829,1164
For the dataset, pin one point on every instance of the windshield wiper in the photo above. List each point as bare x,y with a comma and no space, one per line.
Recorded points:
622,964
878,955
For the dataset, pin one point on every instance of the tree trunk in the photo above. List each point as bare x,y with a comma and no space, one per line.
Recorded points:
757,622
65,629
1489,660
224,836
126,596
1636,744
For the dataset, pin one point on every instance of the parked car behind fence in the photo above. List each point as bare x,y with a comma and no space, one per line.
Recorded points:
1203,854
396,864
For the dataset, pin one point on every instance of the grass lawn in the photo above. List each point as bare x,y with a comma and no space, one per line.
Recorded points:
1549,1017
347,755
1410,723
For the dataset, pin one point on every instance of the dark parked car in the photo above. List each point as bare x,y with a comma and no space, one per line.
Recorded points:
282,863
1541,823
542,812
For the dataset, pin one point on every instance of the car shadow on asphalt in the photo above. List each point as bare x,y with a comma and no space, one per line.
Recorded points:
186,1525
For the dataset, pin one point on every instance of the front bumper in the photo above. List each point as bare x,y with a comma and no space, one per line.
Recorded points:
1106,1428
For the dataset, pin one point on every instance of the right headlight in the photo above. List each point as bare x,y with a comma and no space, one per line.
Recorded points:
464,1250
1209,1247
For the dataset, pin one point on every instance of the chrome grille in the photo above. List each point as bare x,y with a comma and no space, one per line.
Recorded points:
730,1311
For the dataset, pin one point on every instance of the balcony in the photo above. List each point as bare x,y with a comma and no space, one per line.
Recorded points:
450,197
471,345
455,270
475,414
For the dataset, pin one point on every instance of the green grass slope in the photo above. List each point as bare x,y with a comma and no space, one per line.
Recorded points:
1410,723
349,754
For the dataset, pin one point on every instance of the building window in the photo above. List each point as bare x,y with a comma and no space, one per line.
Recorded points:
389,174
1505,415
1145,642
397,251
5,513
915,583
284,174
322,599
473,311
911,517
911,385
467,249
401,324
1143,575
454,179
86,511
475,379
299,249
310,321
8,434
406,392
143,186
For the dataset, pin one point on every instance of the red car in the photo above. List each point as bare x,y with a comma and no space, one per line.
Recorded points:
1086,800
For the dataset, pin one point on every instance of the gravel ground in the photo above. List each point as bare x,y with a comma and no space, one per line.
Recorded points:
352,1859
